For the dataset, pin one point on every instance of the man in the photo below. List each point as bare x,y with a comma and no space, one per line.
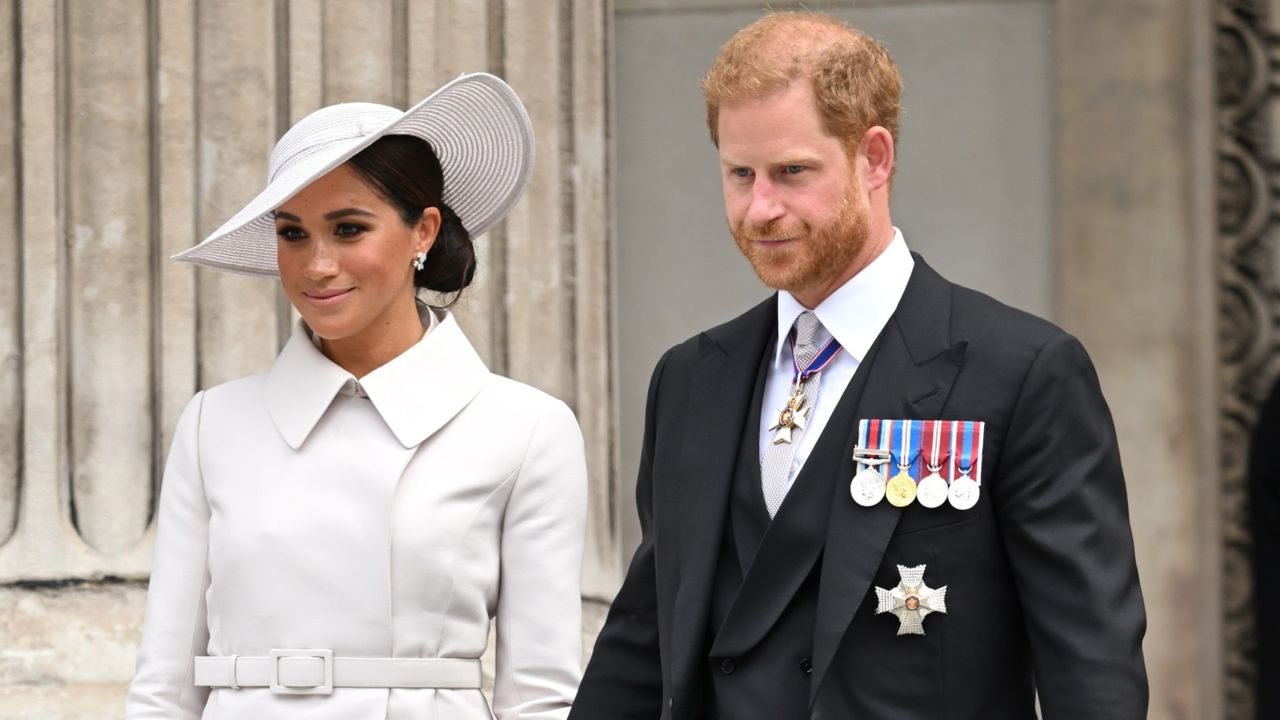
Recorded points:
775,579
1264,513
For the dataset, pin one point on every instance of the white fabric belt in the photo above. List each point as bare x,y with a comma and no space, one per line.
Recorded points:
318,672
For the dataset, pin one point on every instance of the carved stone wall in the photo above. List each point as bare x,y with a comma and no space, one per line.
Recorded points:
1248,86
131,128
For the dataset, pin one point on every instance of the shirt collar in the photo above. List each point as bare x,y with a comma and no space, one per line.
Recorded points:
415,393
858,310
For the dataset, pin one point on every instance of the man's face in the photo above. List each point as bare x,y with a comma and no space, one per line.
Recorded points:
791,196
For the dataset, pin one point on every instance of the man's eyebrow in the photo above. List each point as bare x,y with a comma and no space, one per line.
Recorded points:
791,159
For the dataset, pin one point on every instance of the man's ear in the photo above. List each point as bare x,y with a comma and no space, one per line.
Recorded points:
875,152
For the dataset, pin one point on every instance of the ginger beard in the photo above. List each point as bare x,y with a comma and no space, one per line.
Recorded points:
814,255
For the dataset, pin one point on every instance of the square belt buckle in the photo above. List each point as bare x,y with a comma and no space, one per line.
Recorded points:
325,688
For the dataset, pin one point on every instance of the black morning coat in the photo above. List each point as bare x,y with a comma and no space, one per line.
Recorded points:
1042,594
1264,513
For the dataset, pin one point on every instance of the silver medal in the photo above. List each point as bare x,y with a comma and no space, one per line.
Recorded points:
932,490
963,493
867,487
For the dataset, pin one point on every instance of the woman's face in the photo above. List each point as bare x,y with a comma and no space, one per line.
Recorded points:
344,256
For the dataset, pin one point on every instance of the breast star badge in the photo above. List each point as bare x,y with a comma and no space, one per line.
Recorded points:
911,600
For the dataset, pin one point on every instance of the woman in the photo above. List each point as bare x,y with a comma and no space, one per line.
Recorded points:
336,533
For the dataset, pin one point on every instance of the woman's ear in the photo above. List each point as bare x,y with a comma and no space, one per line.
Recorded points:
427,230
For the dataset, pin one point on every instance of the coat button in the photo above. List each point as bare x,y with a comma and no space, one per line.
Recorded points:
806,667
727,666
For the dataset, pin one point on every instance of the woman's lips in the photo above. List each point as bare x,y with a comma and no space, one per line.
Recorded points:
327,298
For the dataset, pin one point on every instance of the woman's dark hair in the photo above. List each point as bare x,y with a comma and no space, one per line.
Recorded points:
405,171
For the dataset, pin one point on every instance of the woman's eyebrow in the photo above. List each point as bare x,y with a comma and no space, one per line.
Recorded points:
347,211
281,215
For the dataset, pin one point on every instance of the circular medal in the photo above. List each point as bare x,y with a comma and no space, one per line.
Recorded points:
901,490
963,493
932,491
867,487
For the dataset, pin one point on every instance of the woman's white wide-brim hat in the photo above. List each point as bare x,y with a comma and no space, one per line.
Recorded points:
476,124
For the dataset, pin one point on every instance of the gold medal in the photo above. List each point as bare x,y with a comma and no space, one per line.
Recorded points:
901,490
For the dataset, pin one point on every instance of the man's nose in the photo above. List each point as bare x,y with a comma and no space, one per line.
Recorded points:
765,205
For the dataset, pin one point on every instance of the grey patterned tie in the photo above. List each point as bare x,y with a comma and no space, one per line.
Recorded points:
775,469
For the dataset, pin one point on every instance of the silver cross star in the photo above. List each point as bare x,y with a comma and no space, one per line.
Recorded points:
791,418
911,600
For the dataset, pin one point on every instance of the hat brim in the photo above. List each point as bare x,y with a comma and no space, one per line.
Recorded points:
478,128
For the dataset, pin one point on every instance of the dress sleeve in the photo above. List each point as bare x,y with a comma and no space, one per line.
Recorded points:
1064,515
539,621
176,629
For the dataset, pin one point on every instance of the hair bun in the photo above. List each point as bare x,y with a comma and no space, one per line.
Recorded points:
451,262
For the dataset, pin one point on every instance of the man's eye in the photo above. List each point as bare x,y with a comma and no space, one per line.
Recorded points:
793,169
290,232
742,172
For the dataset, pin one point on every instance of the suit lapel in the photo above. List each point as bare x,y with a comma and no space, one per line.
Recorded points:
720,396
910,372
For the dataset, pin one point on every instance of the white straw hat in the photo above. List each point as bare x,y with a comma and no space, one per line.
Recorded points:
476,125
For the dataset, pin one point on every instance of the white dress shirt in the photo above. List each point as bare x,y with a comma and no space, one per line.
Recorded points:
855,314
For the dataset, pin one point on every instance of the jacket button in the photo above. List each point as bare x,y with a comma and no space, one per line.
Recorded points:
806,667
727,666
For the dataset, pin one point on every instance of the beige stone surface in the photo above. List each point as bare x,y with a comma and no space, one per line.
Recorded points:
109,303
62,702
236,114
1135,268
356,39
539,292
594,292
176,200
80,634
10,287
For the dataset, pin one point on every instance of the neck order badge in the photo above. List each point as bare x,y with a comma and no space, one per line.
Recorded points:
795,414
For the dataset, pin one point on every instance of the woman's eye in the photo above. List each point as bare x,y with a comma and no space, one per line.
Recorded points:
290,232
348,229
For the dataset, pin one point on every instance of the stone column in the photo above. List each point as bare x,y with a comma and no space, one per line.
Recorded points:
1135,282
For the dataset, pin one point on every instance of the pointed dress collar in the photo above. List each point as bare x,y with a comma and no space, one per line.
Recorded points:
858,310
416,393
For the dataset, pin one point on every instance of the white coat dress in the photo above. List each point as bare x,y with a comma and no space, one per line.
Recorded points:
389,518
